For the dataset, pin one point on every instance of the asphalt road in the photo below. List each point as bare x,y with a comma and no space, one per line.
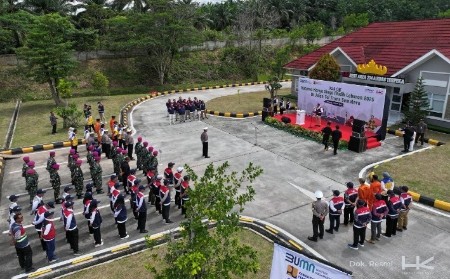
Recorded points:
293,169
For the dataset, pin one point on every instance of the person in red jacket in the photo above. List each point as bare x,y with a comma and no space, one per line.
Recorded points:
350,197
336,206
379,212
49,235
362,219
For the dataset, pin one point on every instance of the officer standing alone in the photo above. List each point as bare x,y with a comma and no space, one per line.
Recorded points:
320,210
204,139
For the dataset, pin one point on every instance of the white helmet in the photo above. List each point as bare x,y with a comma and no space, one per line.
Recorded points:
318,194
159,176
180,169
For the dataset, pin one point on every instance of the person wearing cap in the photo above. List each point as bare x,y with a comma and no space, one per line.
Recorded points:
71,159
74,140
133,194
120,214
111,183
25,159
20,240
66,192
151,177
137,151
115,193
184,194
320,211
13,212
49,235
37,200
406,201
125,171
63,207
120,136
32,181
78,179
154,160
113,154
168,173
394,204
39,218
350,197
379,212
70,226
130,180
336,205
97,175
129,141
89,187
50,161
164,194
95,222
12,205
86,210
55,180
177,180
155,188
144,155
101,111
362,219
204,139
141,209
364,191
106,144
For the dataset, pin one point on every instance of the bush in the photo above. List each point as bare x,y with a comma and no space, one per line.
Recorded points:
70,114
100,83
299,131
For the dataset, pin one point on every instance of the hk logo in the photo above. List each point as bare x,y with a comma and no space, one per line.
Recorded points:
417,265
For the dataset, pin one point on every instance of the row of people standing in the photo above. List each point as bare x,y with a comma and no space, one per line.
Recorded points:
184,109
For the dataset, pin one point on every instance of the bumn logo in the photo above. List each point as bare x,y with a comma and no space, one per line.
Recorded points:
418,265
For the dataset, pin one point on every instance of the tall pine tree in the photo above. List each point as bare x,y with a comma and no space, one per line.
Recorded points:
418,105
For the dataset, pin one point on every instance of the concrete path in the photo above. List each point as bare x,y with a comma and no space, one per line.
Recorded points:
293,169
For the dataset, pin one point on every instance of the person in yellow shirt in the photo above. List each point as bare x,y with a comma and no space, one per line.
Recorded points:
90,122
74,140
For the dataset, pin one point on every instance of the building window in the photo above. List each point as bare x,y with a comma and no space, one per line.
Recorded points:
436,104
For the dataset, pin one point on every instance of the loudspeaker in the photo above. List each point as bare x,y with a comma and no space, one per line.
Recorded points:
267,102
357,144
358,126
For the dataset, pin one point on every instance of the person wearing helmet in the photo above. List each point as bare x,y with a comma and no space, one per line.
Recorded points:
362,219
320,211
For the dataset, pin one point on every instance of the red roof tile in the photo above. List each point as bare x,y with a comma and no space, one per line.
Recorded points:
391,44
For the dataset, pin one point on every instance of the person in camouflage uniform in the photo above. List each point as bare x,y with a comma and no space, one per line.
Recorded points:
137,151
26,159
114,158
97,175
154,161
55,180
144,157
50,162
32,183
78,178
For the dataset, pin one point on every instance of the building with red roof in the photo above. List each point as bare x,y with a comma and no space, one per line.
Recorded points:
401,53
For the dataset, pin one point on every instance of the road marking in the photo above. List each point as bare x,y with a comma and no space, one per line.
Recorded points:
304,191
432,210
38,167
82,259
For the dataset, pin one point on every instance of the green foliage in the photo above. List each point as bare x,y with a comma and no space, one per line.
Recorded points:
65,88
282,57
313,31
354,21
299,131
100,83
418,105
213,35
444,14
70,114
273,85
201,253
241,61
13,27
326,69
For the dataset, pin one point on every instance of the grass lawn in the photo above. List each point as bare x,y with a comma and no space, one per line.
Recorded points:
6,112
243,103
426,173
135,264
33,125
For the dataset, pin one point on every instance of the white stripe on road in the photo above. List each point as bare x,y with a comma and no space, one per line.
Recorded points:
304,191
38,167
426,207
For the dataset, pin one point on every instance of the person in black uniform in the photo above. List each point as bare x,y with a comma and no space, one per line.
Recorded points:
407,136
336,135
326,135
141,208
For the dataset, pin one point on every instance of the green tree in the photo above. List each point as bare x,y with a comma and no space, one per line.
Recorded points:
444,14
48,53
70,115
204,253
313,31
418,105
282,57
326,69
355,21
13,27
100,83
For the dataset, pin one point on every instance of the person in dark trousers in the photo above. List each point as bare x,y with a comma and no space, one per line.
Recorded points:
336,205
141,208
95,222
120,214
408,134
326,132
71,227
125,171
320,211
336,135
421,129
204,139
362,218
164,194
379,212
130,144
394,205
350,196
53,122
184,194
20,240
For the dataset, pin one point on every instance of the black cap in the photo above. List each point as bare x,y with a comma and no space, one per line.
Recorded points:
13,198
40,191
137,182
336,192
47,214
166,182
171,164
141,187
361,203
16,209
94,203
67,188
51,204
88,195
68,203
350,185
390,193
69,198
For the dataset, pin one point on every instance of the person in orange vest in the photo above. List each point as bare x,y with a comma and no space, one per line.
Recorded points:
375,187
49,235
364,192
111,123
336,205
97,127
350,197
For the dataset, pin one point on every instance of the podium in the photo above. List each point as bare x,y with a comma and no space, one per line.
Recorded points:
300,119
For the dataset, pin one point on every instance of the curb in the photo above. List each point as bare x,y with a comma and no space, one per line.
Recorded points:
443,205
399,133
275,234
129,106
40,147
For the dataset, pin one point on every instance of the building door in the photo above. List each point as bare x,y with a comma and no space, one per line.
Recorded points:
405,101
396,102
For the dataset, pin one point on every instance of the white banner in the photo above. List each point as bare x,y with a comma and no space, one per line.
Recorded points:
287,264
342,101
